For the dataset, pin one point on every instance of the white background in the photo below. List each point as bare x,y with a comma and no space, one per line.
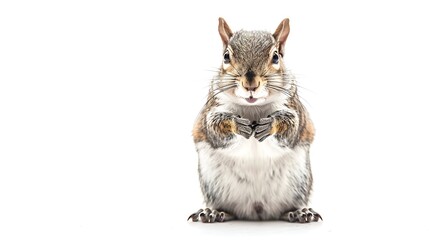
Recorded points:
98,99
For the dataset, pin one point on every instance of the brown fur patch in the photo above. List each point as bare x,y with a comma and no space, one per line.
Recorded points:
279,127
307,135
227,126
197,132
230,70
306,128
274,127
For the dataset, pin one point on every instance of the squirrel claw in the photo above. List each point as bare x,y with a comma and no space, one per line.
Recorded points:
244,127
194,216
210,216
302,215
263,128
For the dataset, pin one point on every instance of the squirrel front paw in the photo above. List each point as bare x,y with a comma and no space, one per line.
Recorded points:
222,127
244,126
276,123
263,128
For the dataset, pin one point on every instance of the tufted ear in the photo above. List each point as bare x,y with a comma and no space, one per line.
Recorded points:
281,34
224,31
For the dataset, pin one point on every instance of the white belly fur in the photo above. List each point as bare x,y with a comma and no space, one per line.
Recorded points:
250,172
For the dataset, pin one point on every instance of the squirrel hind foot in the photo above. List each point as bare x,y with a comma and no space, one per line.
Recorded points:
303,215
210,216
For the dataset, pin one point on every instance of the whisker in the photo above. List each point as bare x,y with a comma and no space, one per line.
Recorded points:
212,84
277,81
221,80
224,78
279,89
288,82
220,88
304,88
282,92
215,94
214,69
225,85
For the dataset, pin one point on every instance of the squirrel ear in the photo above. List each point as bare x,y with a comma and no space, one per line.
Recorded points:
281,34
224,31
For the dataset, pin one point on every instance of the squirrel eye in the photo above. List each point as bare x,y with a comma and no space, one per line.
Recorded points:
226,58
275,58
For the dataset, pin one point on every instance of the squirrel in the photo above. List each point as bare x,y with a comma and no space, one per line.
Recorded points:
253,135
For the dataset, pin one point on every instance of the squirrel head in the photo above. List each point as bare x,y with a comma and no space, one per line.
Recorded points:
253,71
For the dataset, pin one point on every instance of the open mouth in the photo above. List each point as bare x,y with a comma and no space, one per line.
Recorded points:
251,99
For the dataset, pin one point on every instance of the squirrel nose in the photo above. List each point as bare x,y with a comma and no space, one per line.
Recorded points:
250,76
250,88
250,83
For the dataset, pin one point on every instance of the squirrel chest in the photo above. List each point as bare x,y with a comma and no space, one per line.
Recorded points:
255,180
